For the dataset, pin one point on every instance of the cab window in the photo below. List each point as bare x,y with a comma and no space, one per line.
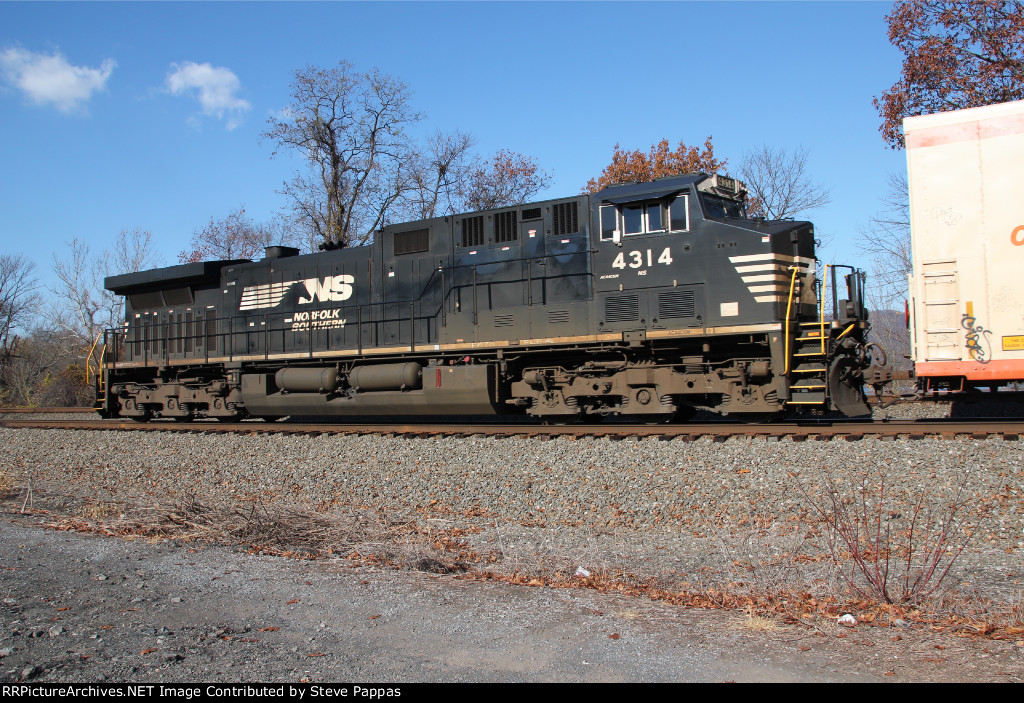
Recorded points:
649,217
715,206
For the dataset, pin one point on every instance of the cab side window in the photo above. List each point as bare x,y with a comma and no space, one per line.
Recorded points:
609,221
679,214
651,217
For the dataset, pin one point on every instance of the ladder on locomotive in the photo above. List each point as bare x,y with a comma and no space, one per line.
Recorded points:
811,354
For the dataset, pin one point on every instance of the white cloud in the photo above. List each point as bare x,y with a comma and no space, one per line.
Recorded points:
215,87
50,79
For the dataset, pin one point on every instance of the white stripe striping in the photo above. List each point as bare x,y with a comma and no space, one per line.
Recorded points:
766,277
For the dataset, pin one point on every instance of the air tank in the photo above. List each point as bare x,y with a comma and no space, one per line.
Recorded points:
386,377
299,380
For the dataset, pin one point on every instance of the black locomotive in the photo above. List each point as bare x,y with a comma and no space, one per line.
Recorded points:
646,299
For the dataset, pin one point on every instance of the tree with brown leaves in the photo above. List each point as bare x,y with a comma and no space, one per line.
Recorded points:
659,161
236,236
507,178
956,55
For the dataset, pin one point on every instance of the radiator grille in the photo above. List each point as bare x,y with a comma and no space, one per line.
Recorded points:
504,320
473,231
412,241
621,308
532,213
506,229
565,219
677,303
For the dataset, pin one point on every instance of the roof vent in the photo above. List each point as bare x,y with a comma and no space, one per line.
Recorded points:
279,252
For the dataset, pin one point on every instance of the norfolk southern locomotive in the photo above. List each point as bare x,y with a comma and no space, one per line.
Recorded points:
647,300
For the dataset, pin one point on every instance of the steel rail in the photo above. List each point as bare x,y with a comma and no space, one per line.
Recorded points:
850,430
46,411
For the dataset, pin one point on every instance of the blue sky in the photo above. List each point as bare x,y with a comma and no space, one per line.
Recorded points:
123,115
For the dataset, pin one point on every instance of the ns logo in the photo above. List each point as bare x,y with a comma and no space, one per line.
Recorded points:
331,289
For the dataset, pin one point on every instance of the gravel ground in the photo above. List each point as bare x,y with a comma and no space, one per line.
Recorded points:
681,514
676,510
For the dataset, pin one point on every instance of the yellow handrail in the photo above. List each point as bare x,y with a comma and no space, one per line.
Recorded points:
845,331
789,307
88,359
821,307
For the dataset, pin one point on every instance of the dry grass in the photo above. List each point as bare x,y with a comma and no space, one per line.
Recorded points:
282,531
98,510
7,483
775,563
759,623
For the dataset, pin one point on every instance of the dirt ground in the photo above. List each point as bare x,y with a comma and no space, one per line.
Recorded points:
84,607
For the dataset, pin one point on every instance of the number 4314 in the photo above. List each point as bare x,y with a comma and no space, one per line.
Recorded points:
641,259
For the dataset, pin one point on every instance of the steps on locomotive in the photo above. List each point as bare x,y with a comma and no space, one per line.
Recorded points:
810,390
810,358
101,393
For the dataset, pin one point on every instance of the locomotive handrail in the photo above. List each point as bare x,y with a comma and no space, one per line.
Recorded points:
158,340
821,311
88,359
789,309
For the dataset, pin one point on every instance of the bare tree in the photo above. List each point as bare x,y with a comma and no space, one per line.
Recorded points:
83,307
439,175
236,236
42,371
886,240
133,251
17,300
351,129
779,184
17,297
507,178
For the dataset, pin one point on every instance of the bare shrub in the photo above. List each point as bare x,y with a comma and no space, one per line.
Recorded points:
765,556
892,545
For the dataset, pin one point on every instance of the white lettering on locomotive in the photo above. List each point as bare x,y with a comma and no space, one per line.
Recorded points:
331,289
269,295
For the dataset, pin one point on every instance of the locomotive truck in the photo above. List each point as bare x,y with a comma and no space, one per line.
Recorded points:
646,300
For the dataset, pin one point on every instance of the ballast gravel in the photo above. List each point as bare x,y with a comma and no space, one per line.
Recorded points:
680,511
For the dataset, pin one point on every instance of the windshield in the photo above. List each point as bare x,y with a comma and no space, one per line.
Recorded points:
715,206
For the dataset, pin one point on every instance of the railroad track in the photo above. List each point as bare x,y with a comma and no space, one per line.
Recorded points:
43,411
802,430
